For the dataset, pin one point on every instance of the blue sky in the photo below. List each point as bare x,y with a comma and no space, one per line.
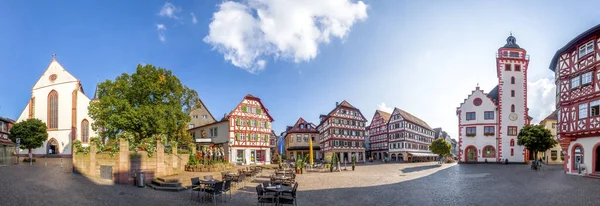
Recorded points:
422,56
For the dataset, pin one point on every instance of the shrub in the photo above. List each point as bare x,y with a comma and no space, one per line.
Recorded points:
28,160
450,160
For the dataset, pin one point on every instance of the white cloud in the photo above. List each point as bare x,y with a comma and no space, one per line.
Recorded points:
385,108
161,32
194,20
541,95
247,33
169,10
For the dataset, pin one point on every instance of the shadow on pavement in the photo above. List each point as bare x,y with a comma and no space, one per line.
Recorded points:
420,168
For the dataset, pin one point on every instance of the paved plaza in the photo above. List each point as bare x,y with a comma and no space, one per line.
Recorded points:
370,184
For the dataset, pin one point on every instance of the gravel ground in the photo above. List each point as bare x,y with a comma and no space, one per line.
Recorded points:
371,184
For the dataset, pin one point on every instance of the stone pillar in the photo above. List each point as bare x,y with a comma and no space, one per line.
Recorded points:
175,156
160,159
123,164
92,169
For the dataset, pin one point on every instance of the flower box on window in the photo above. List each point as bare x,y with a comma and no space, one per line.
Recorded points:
471,135
489,134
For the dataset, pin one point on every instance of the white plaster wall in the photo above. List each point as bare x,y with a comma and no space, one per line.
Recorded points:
588,147
479,140
506,100
64,85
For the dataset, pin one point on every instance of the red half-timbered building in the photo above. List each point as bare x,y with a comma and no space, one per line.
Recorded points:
342,131
249,131
378,135
577,79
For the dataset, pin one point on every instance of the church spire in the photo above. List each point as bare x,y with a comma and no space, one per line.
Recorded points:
96,94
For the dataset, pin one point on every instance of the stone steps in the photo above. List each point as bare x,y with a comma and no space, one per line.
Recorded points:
166,184
593,175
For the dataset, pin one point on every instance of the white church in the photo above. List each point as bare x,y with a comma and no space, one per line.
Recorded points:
488,123
58,99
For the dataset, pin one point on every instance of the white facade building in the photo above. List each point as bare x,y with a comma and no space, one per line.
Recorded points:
490,122
58,99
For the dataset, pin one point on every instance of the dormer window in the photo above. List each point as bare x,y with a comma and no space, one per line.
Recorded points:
586,48
301,126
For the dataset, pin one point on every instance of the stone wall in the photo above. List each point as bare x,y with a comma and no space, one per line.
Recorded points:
126,164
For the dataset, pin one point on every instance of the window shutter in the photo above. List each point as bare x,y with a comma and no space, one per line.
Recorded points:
266,138
259,111
249,122
244,109
239,123
248,137
267,124
237,137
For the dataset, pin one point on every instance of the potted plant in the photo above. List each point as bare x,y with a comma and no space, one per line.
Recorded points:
333,162
298,166
353,162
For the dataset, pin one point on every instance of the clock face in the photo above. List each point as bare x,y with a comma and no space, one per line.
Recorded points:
513,116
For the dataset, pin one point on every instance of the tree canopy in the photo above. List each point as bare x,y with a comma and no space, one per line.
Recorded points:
32,132
152,101
536,138
440,147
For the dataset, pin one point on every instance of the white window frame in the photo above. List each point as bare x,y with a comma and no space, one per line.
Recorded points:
583,111
586,48
586,78
575,82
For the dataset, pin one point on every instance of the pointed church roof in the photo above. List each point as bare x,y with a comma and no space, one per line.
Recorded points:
96,93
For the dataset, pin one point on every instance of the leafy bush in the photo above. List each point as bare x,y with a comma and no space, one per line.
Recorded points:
28,160
183,151
450,160
79,148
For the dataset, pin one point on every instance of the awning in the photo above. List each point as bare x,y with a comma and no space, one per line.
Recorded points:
419,154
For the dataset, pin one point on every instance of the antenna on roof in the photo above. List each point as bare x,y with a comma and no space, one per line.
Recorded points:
511,33
53,55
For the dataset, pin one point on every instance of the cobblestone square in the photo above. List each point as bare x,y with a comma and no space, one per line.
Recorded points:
370,184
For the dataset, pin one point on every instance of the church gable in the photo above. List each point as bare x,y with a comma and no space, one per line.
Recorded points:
54,74
470,101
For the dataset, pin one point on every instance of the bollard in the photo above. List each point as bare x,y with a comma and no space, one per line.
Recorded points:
61,162
45,161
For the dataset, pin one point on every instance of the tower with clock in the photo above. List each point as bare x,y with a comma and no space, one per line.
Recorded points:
512,62
490,122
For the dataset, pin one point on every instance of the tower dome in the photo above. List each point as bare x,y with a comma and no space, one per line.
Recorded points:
511,42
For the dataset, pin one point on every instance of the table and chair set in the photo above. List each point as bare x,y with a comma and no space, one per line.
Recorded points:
211,188
280,190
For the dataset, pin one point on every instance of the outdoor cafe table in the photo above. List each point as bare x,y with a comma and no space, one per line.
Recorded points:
211,184
278,190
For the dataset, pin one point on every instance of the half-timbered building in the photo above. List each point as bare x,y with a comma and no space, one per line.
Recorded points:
409,138
342,131
378,135
250,131
298,138
577,79
488,123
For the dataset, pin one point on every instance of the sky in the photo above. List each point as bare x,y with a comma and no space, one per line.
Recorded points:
299,57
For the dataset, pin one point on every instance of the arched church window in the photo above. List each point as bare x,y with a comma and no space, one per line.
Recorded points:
512,108
53,110
512,80
85,131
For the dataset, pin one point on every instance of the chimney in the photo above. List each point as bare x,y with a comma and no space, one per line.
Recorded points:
337,103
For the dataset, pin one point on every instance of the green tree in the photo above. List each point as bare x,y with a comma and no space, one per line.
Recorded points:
32,132
536,138
440,147
152,101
